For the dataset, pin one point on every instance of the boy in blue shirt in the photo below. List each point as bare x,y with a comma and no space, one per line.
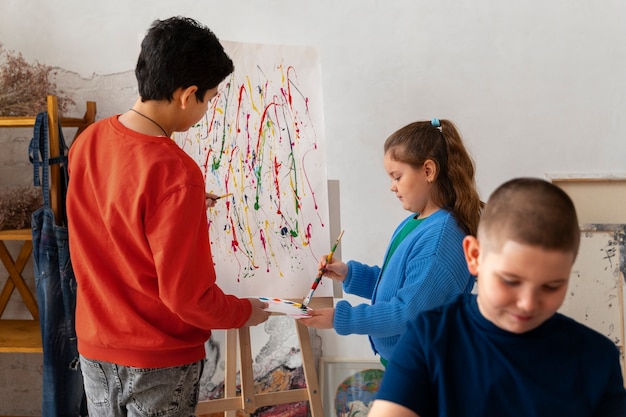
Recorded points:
506,351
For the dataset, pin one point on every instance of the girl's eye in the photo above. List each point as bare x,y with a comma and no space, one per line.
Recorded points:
552,288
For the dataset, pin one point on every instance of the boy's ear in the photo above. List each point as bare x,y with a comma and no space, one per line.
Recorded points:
471,248
187,94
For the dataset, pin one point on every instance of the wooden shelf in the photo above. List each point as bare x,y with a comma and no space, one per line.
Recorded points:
20,336
19,234
29,121
25,335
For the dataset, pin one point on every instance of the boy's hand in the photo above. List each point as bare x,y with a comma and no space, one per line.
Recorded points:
321,318
211,200
258,314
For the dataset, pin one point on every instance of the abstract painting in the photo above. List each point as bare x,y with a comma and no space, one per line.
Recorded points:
262,140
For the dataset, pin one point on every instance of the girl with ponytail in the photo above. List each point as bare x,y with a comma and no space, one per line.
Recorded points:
432,175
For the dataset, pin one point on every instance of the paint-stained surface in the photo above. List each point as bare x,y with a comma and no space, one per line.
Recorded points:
596,289
262,140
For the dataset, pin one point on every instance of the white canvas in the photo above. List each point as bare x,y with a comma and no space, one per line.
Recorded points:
263,140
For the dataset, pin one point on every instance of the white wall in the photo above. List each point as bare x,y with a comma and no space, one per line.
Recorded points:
535,87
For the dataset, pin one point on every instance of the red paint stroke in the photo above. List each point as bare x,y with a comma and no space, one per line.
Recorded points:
242,89
308,234
234,243
264,243
205,165
290,68
262,123
277,166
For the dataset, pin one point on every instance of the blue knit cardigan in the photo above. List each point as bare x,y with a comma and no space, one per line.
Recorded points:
427,269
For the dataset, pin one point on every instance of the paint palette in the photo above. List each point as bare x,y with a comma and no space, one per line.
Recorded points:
287,307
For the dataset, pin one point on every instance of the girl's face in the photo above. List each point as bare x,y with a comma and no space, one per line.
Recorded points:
411,185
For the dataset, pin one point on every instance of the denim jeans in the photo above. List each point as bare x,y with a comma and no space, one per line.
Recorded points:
123,391
63,393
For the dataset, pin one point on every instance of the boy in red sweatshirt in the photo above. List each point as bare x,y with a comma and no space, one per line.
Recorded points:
147,297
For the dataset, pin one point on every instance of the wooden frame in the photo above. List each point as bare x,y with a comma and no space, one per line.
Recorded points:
598,199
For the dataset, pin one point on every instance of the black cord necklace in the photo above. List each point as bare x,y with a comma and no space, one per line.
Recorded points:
159,126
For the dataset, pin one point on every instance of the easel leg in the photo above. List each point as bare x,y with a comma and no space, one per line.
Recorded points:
248,393
310,374
230,374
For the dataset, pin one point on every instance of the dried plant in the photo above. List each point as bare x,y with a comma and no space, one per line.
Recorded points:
17,205
25,86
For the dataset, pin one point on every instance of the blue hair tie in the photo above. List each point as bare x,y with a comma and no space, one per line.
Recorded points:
435,122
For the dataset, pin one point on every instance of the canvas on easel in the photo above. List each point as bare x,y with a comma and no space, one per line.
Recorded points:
262,145
263,141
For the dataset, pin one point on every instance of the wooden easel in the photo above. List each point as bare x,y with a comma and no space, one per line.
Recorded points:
249,400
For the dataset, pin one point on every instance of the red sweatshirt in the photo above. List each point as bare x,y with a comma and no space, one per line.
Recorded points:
140,250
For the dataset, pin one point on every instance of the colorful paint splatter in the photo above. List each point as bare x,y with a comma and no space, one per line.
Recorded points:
262,141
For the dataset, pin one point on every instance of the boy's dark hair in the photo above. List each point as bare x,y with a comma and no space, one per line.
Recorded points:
530,211
177,53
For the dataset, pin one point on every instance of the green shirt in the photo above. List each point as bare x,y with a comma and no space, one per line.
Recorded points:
404,232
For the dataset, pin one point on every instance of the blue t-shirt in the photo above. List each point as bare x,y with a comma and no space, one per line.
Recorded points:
454,362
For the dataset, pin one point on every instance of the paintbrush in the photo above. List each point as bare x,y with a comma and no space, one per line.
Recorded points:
318,278
221,196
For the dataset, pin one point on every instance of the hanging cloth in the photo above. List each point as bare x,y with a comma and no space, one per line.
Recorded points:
63,391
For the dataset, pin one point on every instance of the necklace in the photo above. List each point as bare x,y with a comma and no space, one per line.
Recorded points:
158,125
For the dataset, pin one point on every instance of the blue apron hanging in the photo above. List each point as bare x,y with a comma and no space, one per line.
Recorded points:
63,391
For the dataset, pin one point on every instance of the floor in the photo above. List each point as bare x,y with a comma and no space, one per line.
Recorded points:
21,377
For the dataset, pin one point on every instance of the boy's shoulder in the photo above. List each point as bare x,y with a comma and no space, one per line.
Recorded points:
580,333
448,320
455,307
